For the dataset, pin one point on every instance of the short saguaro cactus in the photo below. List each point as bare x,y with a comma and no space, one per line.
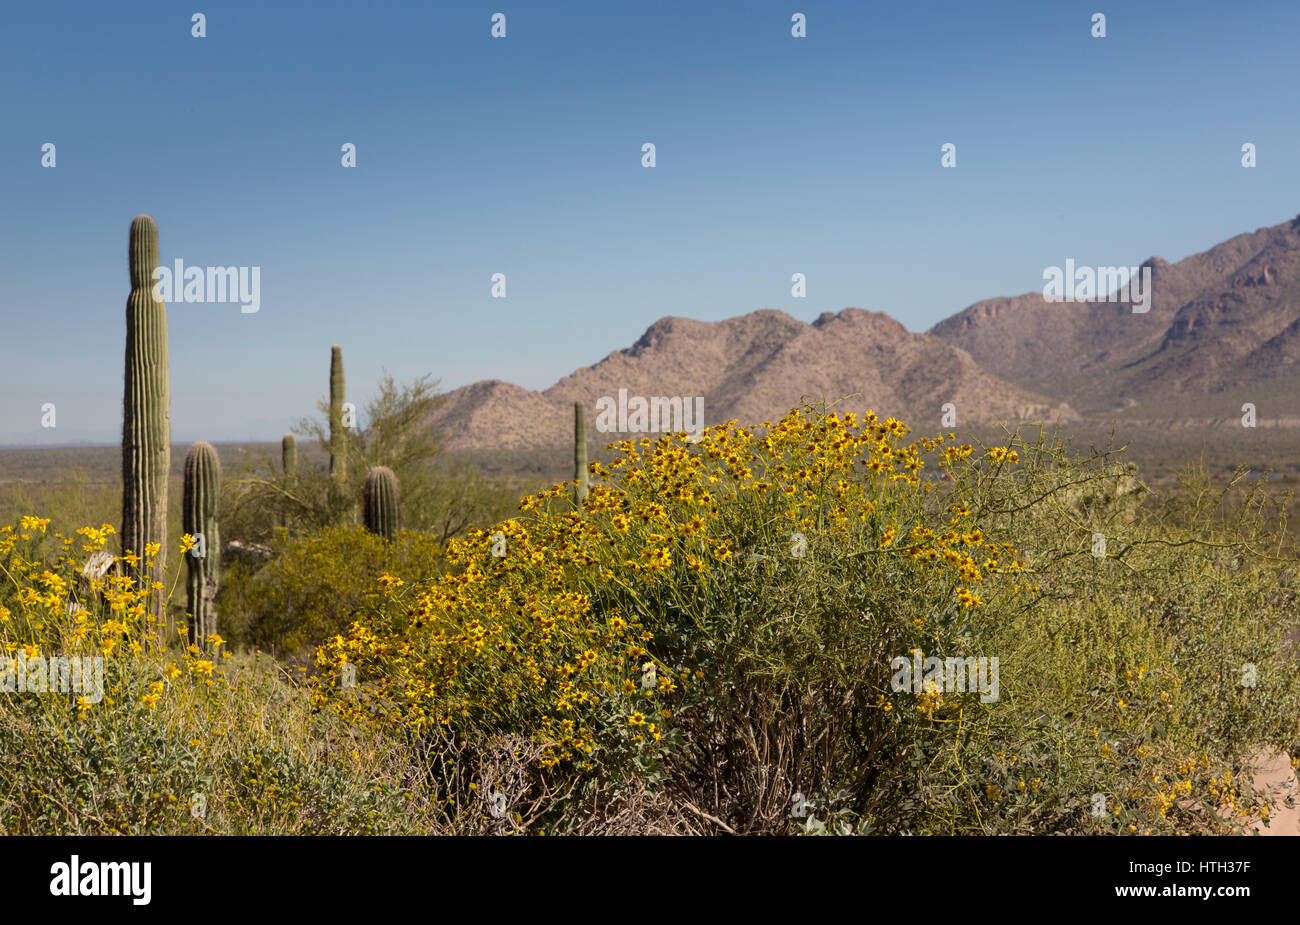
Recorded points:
581,487
289,462
381,502
202,488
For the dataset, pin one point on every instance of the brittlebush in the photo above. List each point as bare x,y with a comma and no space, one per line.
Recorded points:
164,737
586,629
721,617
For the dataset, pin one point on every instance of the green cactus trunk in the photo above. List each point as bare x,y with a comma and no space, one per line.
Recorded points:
146,411
581,484
338,434
381,502
289,460
199,519
341,505
289,456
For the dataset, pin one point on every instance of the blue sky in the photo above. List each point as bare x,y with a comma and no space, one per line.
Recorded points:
522,156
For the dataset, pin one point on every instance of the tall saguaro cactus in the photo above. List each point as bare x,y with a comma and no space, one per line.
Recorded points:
289,461
146,411
199,519
582,486
381,502
338,434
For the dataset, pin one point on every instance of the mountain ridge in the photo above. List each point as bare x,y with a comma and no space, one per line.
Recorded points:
1223,325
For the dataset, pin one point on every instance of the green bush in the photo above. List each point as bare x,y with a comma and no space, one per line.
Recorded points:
157,737
312,586
188,766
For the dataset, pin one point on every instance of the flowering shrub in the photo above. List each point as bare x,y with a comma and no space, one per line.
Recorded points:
585,629
161,737
63,596
721,617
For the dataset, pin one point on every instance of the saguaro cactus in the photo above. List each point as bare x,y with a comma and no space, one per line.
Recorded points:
289,456
381,502
338,434
146,407
199,519
581,488
289,461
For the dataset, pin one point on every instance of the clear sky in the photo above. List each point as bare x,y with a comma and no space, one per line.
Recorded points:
522,156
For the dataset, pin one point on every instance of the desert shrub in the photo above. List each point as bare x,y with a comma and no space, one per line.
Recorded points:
506,647
313,585
162,739
441,495
70,501
721,622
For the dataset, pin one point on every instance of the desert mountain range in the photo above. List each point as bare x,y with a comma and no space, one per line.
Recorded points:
1223,328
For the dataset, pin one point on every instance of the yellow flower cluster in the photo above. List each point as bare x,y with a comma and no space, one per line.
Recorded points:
540,624
62,598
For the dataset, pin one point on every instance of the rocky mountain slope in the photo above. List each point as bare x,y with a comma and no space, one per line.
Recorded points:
1223,328
752,368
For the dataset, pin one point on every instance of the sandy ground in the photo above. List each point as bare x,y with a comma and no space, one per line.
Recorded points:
1273,775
